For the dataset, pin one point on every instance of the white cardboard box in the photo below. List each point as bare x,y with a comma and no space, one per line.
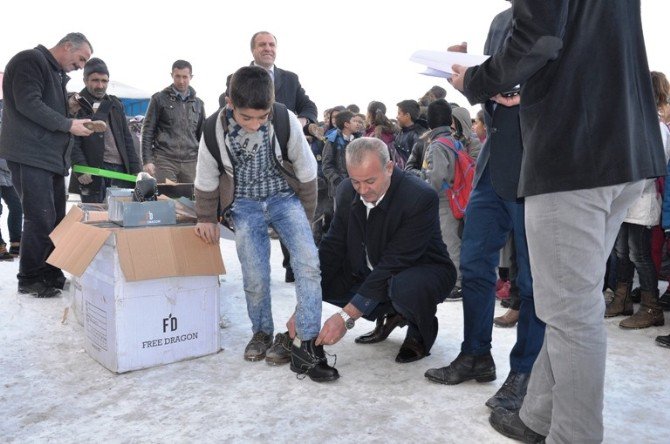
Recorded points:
150,295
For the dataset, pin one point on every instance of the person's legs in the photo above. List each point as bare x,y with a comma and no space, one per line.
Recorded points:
186,172
166,169
450,227
570,235
253,250
14,213
287,216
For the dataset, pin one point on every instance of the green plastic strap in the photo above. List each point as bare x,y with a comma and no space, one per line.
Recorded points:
103,173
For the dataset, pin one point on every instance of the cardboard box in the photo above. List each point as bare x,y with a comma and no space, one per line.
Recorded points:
149,296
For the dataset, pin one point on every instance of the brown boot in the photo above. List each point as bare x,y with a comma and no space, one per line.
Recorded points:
649,314
509,319
622,303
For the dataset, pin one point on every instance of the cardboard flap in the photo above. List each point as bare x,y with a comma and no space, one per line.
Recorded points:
165,252
72,217
77,245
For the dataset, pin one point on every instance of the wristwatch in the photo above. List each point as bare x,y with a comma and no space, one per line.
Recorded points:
348,320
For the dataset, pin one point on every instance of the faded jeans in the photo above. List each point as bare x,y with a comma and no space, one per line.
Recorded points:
286,215
570,236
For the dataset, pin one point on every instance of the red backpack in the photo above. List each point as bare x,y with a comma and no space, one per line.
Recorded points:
464,175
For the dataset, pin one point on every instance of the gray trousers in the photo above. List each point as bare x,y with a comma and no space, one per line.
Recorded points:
570,236
449,226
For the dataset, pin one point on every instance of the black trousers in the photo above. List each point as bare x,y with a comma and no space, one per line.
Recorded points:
413,293
42,195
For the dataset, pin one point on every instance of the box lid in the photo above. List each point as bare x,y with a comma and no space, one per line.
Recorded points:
144,253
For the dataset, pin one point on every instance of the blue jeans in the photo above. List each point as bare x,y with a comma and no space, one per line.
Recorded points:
633,252
42,195
15,216
251,219
488,220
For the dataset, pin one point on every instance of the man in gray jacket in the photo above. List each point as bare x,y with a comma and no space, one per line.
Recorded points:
36,140
172,129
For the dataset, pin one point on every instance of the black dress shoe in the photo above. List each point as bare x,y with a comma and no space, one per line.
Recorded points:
385,325
509,424
481,368
411,350
309,359
511,394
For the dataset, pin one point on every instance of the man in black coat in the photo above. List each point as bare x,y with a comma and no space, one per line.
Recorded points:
110,150
36,141
383,257
590,136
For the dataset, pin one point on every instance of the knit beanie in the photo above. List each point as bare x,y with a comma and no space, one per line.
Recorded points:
95,65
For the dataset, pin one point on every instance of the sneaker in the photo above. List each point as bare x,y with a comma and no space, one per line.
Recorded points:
256,348
39,289
280,352
455,295
309,359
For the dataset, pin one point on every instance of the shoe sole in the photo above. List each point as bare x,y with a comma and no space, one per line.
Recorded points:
481,378
655,324
623,313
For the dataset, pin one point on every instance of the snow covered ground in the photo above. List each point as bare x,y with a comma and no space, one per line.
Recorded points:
52,391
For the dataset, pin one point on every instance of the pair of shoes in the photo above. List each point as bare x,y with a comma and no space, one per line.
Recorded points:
385,325
97,126
510,395
664,300
481,368
280,351
14,248
289,277
455,295
257,346
503,292
38,289
411,350
509,319
309,359
4,254
663,341
510,424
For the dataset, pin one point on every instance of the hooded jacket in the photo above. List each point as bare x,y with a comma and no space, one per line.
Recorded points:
470,142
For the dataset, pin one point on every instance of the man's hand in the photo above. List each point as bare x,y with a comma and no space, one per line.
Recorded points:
333,330
150,168
208,232
456,79
303,121
78,128
290,326
85,179
462,47
507,101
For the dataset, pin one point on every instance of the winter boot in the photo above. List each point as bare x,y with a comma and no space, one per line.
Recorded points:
14,248
622,303
649,314
4,254
309,359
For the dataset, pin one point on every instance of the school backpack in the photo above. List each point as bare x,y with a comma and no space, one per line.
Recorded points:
464,175
280,122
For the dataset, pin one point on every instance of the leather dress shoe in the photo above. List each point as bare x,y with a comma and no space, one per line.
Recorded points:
385,325
411,350
481,368
510,424
511,394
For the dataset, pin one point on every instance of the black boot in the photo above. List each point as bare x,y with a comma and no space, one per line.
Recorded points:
511,394
309,359
480,368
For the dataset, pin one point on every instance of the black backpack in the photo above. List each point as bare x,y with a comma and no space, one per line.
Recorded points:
280,122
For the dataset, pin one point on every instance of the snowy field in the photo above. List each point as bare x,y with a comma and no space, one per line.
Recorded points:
52,391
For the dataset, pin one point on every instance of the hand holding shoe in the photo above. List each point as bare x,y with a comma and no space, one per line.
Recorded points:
85,179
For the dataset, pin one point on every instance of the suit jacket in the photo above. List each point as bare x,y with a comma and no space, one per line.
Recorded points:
400,232
588,117
288,91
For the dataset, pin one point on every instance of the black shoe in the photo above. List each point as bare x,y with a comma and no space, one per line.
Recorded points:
309,359
509,424
289,277
385,325
663,341
455,295
411,350
664,301
480,368
636,295
39,289
511,394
